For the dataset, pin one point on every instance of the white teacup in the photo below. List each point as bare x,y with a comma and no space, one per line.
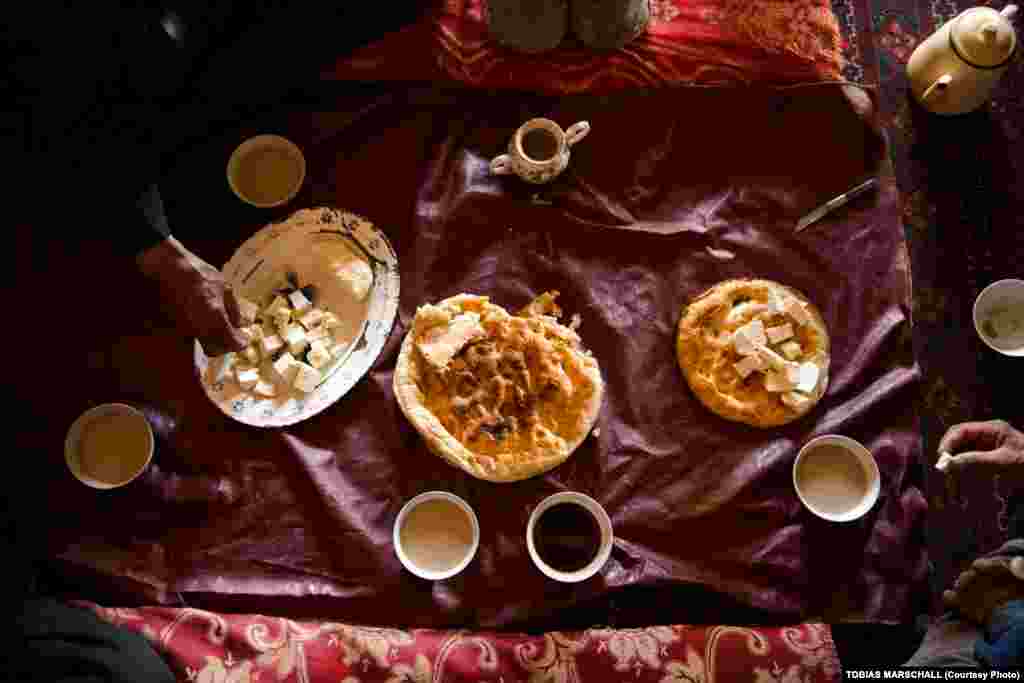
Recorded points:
603,541
109,446
436,535
539,151
999,316
266,171
836,478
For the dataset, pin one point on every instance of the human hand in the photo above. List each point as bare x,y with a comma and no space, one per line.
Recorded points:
993,446
989,583
197,296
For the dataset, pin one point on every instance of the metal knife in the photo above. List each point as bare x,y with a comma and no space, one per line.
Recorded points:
833,204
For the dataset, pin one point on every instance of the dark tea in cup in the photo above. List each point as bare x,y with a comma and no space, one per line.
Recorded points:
567,537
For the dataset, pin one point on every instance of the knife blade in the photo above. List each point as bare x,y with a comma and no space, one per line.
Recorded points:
833,204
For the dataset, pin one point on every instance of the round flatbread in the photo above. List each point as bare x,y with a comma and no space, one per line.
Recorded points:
714,361
504,397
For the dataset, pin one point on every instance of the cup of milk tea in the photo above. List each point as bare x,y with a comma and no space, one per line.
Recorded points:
436,535
836,478
266,171
109,446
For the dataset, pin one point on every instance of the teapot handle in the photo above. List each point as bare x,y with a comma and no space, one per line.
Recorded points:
938,87
1009,11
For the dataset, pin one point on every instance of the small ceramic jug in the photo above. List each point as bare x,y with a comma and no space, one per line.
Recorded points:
539,150
956,69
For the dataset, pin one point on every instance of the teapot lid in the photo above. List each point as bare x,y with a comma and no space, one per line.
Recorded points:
983,37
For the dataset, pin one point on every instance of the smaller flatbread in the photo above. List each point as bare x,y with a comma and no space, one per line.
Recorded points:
715,362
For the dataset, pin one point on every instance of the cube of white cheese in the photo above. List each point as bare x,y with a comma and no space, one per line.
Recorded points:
773,360
295,338
252,333
307,378
318,332
247,379
270,345
311,318
251,355
224,367
794,400
780,333
299,301
282,317
284,367
438,345
808,374
796,311
265,389
776,303
777,382
747,338
748,365
791,350
318,355
944,459
248,309
277,304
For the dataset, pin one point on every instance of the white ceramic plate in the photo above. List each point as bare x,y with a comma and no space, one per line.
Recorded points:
305,243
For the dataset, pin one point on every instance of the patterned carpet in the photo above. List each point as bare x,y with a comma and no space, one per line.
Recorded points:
963,185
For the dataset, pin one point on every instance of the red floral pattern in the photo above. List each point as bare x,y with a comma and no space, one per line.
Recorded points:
205,647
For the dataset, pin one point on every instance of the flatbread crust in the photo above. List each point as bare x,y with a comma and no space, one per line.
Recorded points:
513,401
706,354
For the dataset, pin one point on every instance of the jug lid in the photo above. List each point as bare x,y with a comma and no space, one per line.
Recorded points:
983,37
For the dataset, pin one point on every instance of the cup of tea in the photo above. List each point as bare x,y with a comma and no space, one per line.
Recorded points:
569,537
109,446
266,171
436,535
999,316
836,478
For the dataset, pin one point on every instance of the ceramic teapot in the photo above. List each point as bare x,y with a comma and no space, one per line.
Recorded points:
956,69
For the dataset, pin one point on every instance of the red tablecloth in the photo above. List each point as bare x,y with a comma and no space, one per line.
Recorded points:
302,517
208,647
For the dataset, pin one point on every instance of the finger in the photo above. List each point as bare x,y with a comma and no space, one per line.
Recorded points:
979,460
1017,567
965,578
231,306
974,435
992,566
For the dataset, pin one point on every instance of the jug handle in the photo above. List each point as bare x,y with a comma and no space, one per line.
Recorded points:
1009,11
940,84
576,132
501,164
